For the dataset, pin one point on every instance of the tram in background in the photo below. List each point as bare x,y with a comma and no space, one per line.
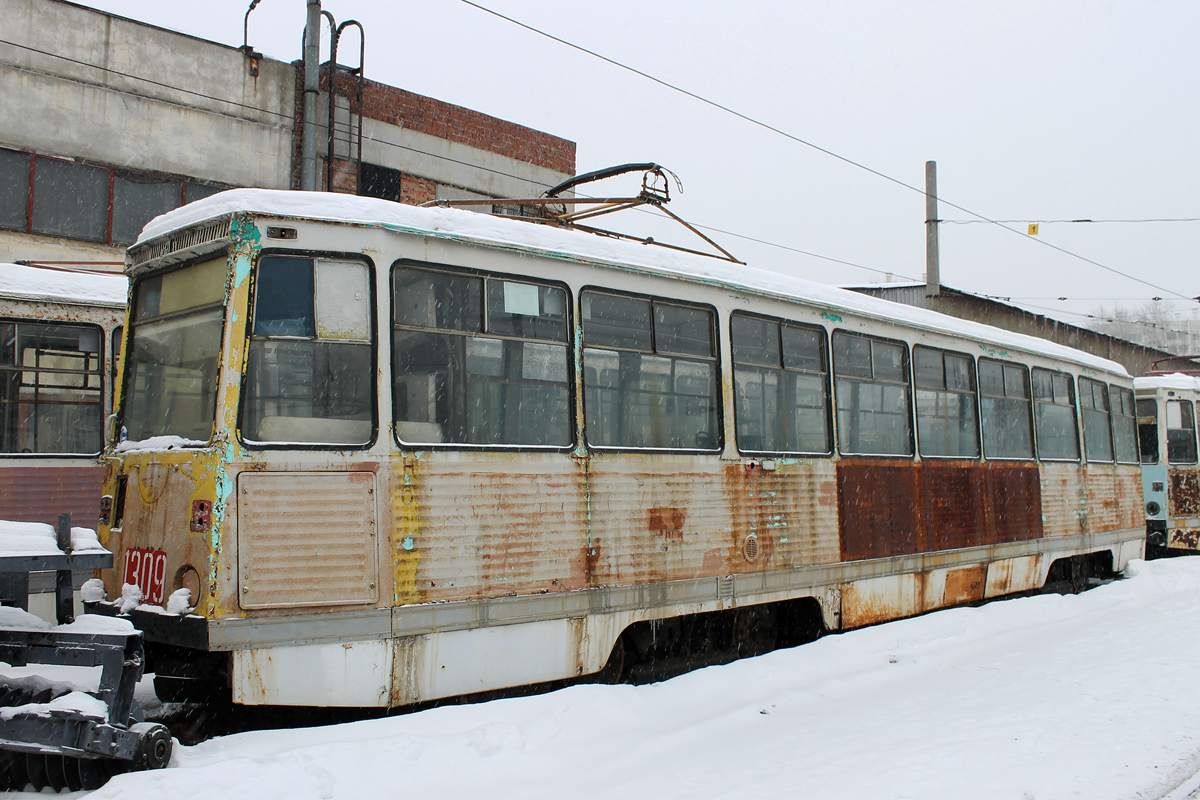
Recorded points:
1166,410
393,454
59,334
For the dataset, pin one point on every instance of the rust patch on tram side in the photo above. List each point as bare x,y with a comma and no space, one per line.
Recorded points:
666,522
1014,500
40,494
878,509
954,505
1184,492
965,585
1185,538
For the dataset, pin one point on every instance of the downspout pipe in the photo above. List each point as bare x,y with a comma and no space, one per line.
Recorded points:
312,88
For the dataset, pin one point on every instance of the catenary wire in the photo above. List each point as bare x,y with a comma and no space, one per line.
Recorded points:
818,148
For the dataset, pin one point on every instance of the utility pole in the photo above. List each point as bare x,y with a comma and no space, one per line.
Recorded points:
312,88
933,277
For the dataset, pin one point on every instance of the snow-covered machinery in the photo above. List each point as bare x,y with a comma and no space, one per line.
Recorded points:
51,733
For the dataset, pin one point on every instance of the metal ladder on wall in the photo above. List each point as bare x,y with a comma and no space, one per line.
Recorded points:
343,157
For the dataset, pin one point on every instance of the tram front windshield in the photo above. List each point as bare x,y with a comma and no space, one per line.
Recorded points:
173,353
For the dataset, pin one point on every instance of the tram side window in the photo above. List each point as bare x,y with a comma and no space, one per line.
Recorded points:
1181,432
649,373
1147,411
1097,424
945,396
480,359
874,410
1124,425
1054,416
1006,410
781,397
50,394
310,375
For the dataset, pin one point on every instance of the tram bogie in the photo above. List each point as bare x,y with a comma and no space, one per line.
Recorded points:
401,454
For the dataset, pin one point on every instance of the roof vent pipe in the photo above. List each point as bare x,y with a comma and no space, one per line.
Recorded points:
312,87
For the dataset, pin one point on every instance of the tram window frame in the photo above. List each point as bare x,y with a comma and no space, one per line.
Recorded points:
311,329
482,325
21,372
941,387
1042,408
1148,446
747,363
849,378
631,347
1124,424
1099,446
1178,450
1000,411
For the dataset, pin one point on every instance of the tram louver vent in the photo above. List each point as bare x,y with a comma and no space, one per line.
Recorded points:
750,548
192,237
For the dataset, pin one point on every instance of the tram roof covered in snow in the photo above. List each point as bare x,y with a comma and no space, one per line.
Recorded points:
1178,381
63,285
494,231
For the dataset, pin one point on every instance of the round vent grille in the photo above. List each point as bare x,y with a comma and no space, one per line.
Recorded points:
750,548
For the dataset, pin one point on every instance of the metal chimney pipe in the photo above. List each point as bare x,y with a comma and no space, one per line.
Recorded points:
312,88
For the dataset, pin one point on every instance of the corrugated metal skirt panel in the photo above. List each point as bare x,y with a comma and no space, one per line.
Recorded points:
306,539
1063,493
1114,496
40,494
656,518
487,525
889,508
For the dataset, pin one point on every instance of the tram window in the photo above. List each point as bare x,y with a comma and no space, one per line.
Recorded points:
1181,432
1124,425
1147,411
50,394
781,396
1054,416
649,373
874,410
480,360
309,370
1097,424
173,353
945,399
1006,411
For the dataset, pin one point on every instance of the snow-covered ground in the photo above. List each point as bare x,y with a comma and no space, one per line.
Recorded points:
1092,696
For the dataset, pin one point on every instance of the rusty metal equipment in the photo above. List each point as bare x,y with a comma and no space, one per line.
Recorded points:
61,747
1190,365
553,208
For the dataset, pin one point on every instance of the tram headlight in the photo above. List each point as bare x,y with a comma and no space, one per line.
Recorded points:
1153,509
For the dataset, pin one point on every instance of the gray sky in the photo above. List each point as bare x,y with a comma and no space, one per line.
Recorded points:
1034,111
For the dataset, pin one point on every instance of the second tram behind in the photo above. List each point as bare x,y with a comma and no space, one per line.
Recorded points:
396,454
1166,410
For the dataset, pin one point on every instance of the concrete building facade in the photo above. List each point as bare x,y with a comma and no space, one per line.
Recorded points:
107,122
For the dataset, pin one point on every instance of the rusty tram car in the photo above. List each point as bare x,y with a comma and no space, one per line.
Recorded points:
59,330
397,454
1166,411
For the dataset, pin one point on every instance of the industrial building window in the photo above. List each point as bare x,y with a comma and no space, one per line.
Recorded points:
649,373
50,393
945,398
82,201
14,190
1054,416
1007,414
382,182
310,372
874,409
1124,424
480,359
781,395
1181,432
1097,423
70,200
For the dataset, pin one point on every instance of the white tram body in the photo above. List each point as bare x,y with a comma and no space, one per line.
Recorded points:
398,454
58,328
1166,410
